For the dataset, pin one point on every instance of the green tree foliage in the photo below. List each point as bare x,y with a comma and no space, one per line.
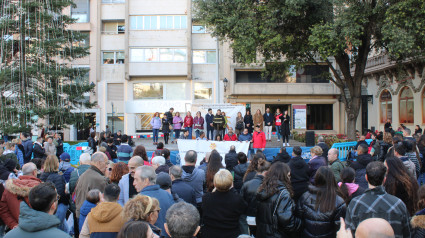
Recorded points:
36,77
344,32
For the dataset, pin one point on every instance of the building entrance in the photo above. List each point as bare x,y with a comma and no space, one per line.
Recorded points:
282,107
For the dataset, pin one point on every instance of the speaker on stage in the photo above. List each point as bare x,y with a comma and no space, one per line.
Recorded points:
309,138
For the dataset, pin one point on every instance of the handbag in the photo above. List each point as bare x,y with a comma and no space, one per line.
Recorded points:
275,220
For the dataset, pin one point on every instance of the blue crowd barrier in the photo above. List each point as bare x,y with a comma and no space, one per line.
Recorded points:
344,147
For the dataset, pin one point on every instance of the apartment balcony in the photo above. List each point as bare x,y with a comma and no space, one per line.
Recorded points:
158,69
156,38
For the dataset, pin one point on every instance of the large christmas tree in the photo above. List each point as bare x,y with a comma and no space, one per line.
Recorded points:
37,79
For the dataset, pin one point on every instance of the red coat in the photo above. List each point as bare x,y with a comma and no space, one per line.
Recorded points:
188,121
228,138
9,203
258,140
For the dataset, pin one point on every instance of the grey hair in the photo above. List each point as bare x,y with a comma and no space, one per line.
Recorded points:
147,172
408,131
320,139
98,157
160,160
335,151
28,168
85,158
176,171
182,220
137,159
191,156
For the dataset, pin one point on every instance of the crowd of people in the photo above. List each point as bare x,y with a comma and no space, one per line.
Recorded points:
217,127
376,192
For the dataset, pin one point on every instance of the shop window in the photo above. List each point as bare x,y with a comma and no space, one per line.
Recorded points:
406,105
386,106
320,117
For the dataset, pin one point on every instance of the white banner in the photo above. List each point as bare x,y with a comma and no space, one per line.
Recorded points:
300,116
202,147
231,111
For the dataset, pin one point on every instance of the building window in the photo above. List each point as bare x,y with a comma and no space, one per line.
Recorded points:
81,11
148,91
84,41
158,22
198,29
406,106
158,55
203,91
317,119
386,106
313,74
204,57
116,122
113,57
113,1
114,27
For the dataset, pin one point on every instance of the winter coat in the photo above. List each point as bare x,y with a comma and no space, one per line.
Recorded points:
418,224
92,144
28,148
325,149
384,150
177,123
198,123
239,126
277,119
285,130
209,119
314,164
195,177
259,140
188,121
162,168
124,189
249,123
36,224
165,125
409,165
299,176
239,171
20,155
258,120
66,169
360,167
316,223
105,220
59,147
376,145
220,214
165,201
16,190
249,194
59,182
337,166
231,160
84,211
412,156
268,119
156,123
288,223
283,157
92,178
184,191
229,137
75,175
50,148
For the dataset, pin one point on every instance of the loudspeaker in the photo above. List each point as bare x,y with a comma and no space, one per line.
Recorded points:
309,138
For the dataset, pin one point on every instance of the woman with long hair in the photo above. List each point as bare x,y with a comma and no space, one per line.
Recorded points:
156,123
285,129
198,124
258,119
140,150
320,208
386,144
252,167
166,127
120,169
143,208
188,124
418,220
278,123
239,126
247,120
276,209
177,124
214,165
401,184
349,189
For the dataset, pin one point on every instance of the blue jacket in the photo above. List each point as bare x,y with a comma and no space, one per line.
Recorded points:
268,119
124,152
36,224
28,149
20,155
124,190
243,137
184,190
195,177
165,201
84,211
209,119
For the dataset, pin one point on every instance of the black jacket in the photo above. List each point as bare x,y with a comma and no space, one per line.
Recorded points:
384,147
39,151
184,190
317,223
92,144
247,119
231,160
268,119
59,147
282,157
288,223
249,194
59,182
220,214
299,176
239,172
209,119
112,150
360,167
325,149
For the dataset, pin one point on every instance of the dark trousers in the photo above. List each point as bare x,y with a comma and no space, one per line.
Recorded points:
166,135
285,137
210,130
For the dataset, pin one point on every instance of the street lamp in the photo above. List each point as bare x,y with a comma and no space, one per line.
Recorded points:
225,81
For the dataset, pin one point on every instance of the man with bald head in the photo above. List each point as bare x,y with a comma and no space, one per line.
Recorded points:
17,190
336,165
93,178
369,228
126,183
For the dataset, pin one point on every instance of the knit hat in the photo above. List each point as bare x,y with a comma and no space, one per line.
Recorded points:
65,157
163,180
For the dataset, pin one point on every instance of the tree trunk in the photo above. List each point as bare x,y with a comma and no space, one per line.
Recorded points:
352,110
